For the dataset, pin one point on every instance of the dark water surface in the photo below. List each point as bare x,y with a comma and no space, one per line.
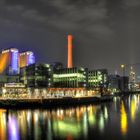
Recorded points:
115,120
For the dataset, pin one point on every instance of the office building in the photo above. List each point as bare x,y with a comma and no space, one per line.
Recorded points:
97,79
36,75
70,78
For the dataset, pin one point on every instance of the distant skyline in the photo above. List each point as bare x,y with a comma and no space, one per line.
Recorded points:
106,32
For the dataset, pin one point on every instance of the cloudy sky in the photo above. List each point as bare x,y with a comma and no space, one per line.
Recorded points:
106,32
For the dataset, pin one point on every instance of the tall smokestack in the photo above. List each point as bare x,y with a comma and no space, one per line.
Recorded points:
70,62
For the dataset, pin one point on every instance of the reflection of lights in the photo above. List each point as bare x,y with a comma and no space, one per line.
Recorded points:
123,119
115,99
92,119
105,113
91,116
85,125
13,128
28,116
35,117
49,136
63,128
58,113
133,108
101,123
61,111
2,125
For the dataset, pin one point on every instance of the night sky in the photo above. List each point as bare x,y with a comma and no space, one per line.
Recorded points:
106,32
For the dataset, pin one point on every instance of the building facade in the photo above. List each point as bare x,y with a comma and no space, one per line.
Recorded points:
26,59
97,79
37,75
118,83
9,62
70,78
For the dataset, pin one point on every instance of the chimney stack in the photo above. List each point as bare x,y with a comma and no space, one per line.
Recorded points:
70,61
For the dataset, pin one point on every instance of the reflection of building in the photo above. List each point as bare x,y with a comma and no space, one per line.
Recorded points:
9,62
70,78
26,59
97,78
36,75
3,125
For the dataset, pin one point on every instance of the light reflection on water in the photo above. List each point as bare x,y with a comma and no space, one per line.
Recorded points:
118,119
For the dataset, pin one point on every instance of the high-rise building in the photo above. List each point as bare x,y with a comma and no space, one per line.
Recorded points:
132,79
26,59
9,61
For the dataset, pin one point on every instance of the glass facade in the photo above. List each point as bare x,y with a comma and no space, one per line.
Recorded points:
36,75
70,78
97,78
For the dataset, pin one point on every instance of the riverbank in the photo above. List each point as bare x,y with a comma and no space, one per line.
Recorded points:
52,102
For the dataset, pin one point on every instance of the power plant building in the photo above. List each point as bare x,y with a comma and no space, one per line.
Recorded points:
9,62
26,59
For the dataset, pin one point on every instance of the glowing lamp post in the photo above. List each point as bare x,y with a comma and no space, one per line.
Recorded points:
123,69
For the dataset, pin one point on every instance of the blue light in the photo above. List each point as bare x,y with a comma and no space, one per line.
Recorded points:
31,59
13,128
14,64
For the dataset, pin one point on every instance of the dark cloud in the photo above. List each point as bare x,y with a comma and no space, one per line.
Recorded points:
132,3
102,29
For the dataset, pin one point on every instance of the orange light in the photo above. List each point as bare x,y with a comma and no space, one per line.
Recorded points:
3,61
70,62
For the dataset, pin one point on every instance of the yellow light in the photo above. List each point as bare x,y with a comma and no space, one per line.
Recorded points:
122,66
123,120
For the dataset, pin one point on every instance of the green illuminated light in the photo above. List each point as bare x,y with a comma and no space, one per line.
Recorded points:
64,128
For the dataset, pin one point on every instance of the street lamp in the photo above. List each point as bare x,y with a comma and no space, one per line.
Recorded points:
123,69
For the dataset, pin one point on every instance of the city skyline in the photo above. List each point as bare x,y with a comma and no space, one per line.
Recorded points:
102,30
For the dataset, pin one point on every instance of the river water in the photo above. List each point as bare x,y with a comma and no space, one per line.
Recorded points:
115,120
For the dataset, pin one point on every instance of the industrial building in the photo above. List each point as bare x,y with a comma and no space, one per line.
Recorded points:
26,59
9,62
36,75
